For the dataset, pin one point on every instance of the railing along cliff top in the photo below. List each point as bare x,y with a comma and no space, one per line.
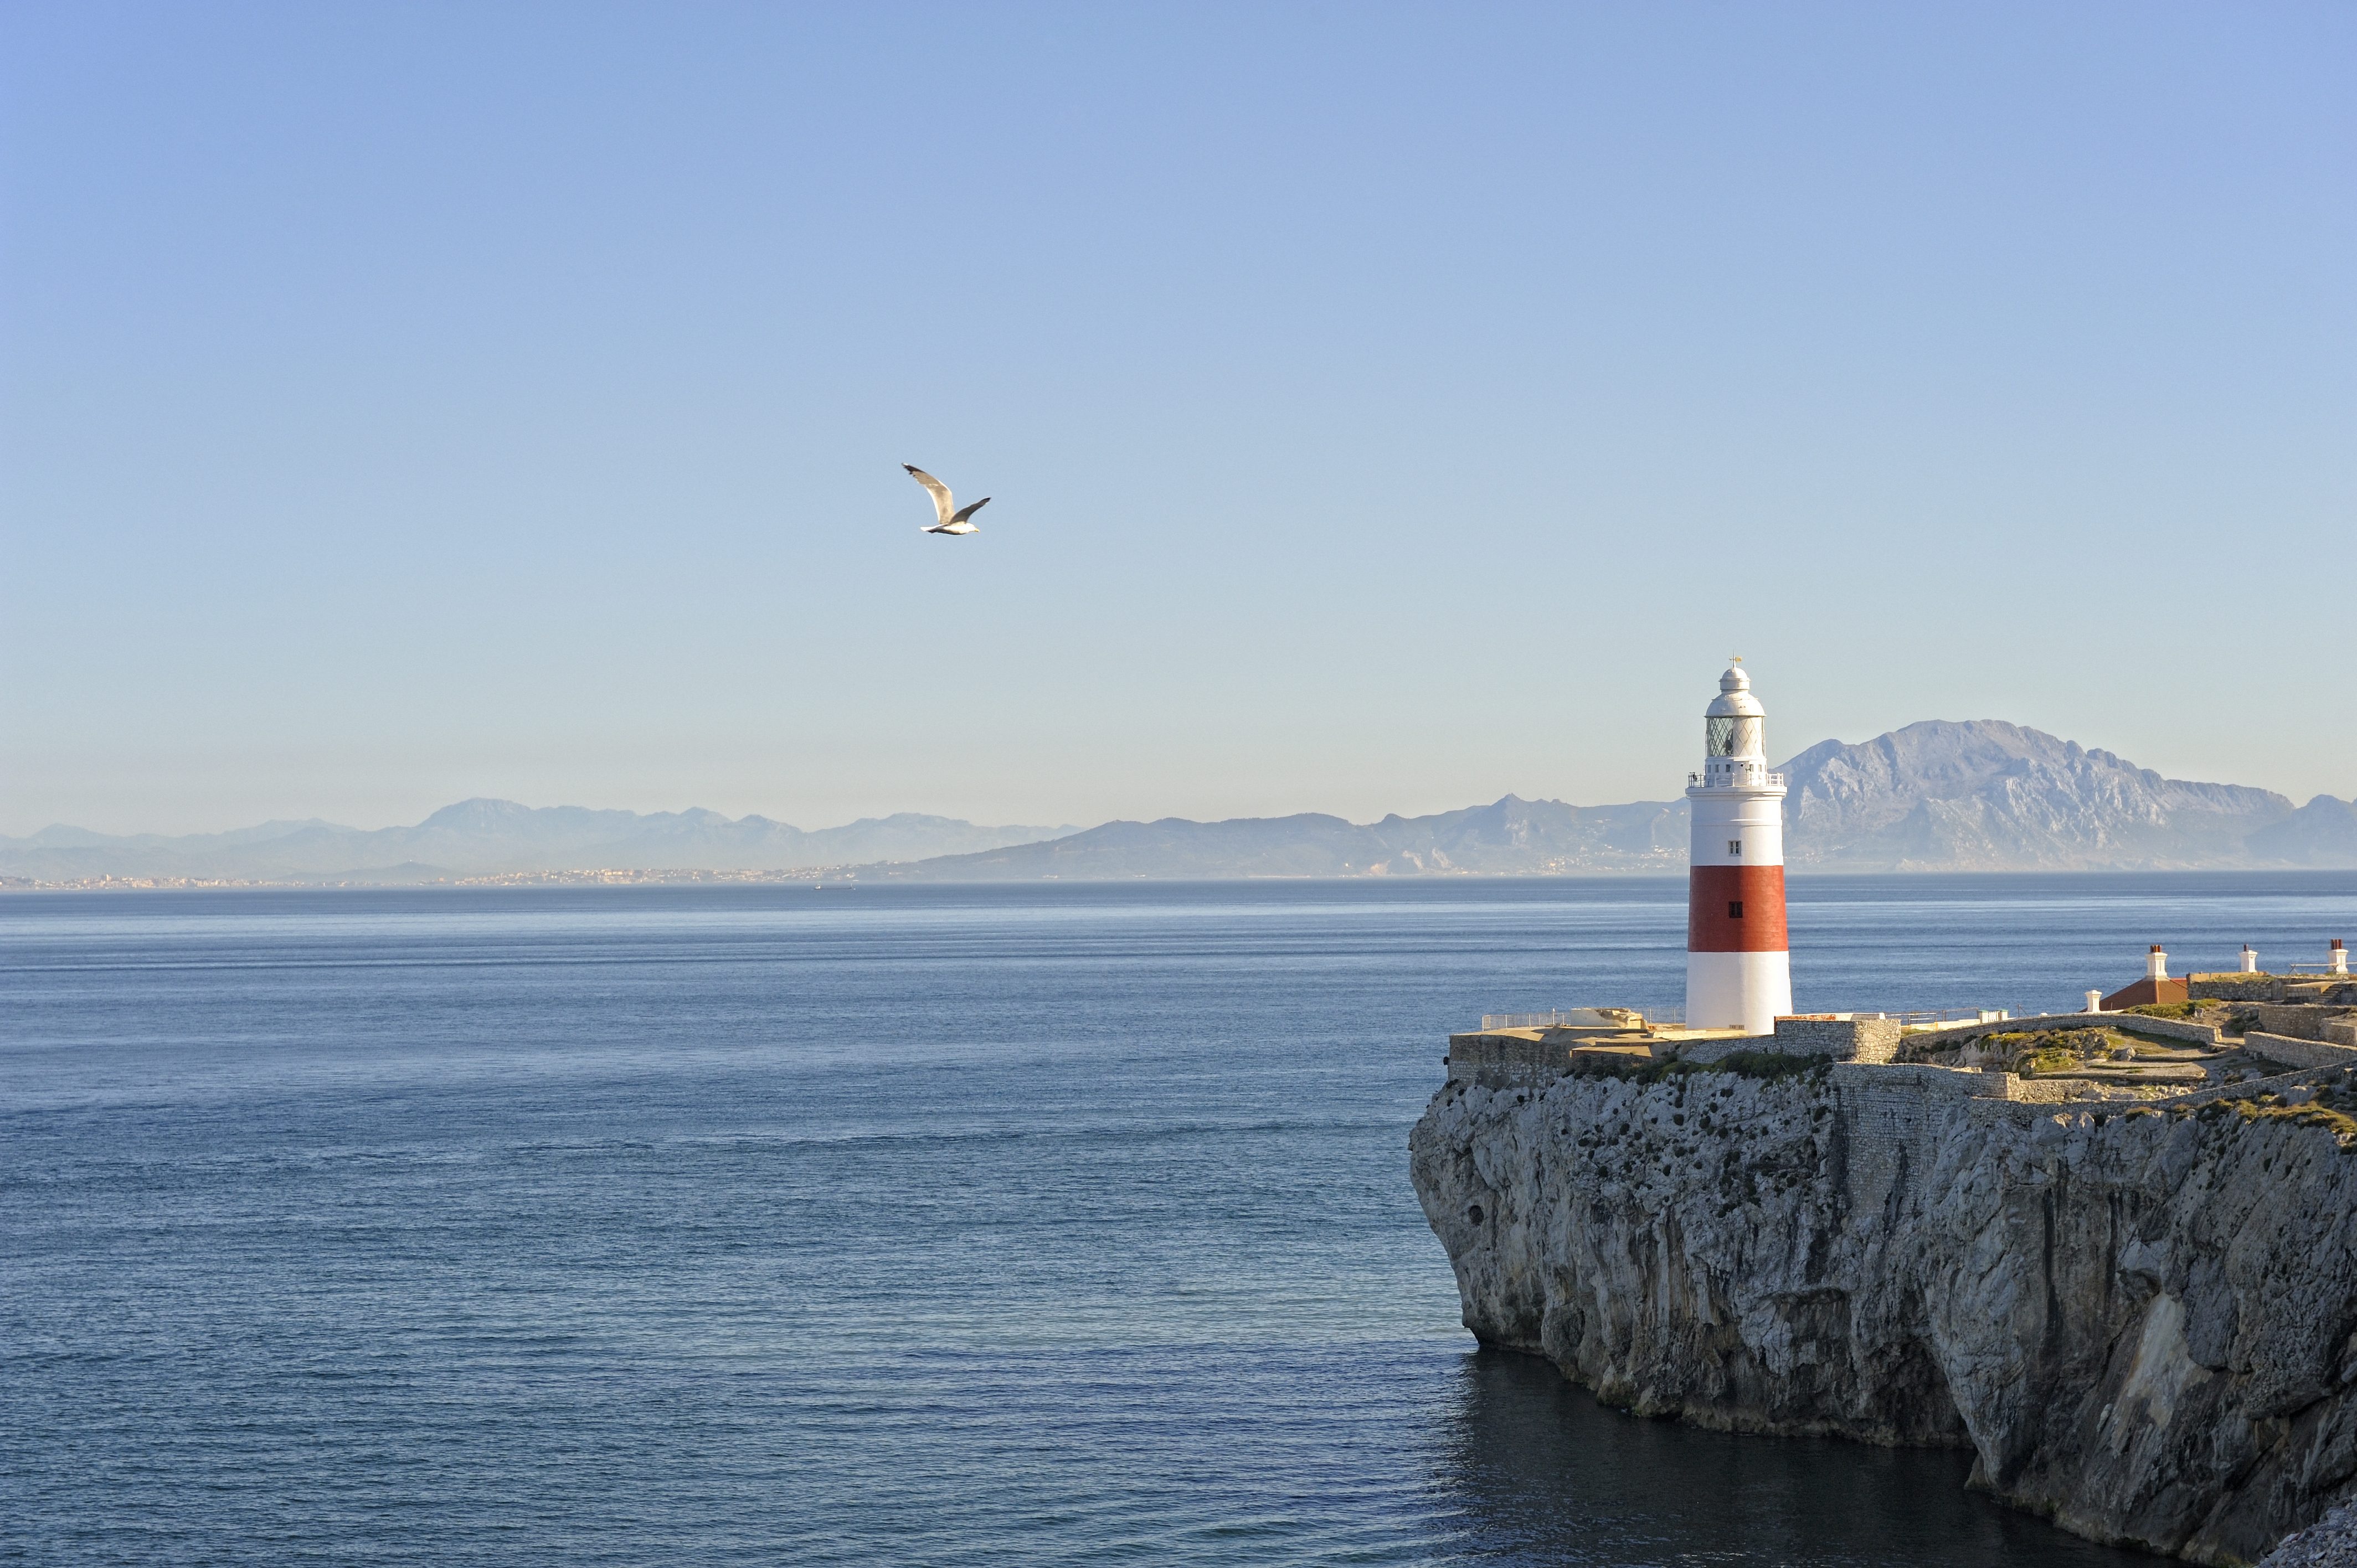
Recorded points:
1675,1017
1774,781
1557,1020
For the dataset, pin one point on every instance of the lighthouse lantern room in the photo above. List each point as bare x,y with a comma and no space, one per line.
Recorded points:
1738,962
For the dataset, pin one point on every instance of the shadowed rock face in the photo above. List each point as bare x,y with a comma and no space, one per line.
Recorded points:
2141,1324
2330,1542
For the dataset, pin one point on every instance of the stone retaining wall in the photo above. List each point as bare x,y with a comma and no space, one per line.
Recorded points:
2299,1020
2249,1089
2127,1022
2292,1051
1499,1061
1923,1081
2328,989
2231,986
1844,1039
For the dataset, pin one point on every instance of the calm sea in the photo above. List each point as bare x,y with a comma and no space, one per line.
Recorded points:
902,1225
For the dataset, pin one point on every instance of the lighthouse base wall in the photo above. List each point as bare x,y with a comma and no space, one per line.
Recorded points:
1738,990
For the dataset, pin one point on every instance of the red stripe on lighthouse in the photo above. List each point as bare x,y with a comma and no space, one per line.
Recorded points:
1735,908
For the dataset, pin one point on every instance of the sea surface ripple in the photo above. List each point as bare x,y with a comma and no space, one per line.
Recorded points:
1056,1224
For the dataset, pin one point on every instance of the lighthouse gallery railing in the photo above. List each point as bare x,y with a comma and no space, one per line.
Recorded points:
1773,780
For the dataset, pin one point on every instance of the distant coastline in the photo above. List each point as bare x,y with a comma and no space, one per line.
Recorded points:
1934,796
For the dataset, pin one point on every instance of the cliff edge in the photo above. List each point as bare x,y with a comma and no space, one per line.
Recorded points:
2139,1318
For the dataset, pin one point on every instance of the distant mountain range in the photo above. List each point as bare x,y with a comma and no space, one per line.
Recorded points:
1981,796
488,838
1997,797
1511,837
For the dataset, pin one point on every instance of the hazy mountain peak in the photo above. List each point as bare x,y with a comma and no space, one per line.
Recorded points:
2322,832
479,814
1984,794
63,835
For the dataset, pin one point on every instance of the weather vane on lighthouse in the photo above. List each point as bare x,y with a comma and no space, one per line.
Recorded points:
1738,962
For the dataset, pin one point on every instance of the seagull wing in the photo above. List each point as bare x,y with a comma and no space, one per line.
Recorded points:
941,492
969,512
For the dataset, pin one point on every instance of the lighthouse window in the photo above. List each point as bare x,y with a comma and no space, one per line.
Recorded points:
1735,908
1718,737
1735,846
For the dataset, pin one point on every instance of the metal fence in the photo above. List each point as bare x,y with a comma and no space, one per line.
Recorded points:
1773,780
1582,1015
1678,1015
1951,1015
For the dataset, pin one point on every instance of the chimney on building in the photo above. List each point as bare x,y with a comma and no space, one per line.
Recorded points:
2339,957
2094,1002
2155,987
2250,959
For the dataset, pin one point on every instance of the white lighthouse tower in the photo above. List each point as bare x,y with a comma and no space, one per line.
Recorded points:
1738,960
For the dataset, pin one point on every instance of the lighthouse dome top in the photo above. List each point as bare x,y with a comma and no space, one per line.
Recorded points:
1735,700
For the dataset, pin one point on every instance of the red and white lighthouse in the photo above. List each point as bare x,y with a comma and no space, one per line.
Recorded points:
1739,961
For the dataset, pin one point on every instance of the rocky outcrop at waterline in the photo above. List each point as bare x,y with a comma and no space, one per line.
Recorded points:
2330,1542
2139,1318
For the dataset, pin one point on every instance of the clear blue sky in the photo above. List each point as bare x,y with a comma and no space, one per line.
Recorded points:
1386,407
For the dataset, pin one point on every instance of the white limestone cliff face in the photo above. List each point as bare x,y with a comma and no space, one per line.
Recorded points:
2141,1323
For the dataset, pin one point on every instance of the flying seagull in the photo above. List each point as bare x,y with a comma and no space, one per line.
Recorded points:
960,521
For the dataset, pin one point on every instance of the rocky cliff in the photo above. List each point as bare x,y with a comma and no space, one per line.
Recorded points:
2141,1321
